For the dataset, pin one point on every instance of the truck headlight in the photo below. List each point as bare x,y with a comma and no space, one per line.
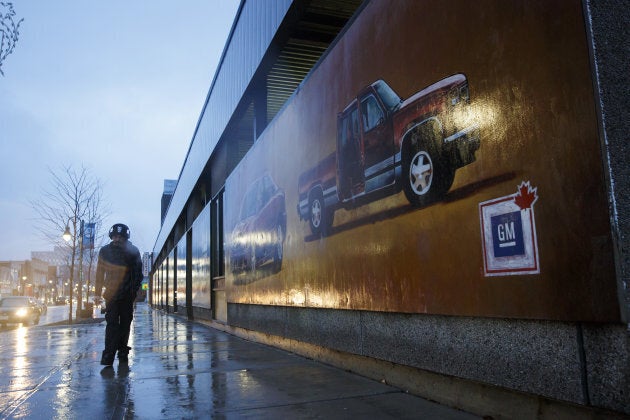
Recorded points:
459,94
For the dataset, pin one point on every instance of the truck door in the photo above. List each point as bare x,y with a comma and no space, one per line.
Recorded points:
349,154
378,142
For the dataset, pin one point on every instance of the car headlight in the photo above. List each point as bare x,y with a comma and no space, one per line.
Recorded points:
21,312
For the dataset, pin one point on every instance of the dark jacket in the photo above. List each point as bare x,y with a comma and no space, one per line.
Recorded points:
119,270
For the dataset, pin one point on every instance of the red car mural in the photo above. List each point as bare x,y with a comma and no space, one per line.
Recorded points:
258,236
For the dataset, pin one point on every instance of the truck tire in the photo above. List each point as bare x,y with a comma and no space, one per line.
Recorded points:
320,219
426,176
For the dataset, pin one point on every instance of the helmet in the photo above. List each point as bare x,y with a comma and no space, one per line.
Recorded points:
119,229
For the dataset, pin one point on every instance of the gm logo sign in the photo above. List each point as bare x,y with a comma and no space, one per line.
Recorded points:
508,231
507,234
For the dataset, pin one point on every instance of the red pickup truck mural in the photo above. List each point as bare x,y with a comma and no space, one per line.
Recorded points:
385,144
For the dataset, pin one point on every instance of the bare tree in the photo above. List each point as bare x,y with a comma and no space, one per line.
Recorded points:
9,31
71,197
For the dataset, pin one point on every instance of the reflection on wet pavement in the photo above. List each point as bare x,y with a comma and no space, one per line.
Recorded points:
180,369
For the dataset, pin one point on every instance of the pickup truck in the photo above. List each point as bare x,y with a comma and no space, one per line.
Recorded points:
385,144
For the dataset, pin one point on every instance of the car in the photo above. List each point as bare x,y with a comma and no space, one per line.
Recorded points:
61,301
96,301
258,236
19,310
43,307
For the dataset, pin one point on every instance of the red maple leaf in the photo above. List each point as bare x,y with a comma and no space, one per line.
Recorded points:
526,196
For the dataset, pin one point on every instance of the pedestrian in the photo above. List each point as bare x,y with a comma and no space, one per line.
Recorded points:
119,271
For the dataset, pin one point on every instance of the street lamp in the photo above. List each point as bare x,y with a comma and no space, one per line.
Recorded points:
67,235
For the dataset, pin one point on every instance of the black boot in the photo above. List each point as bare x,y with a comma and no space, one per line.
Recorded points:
123,355
107,359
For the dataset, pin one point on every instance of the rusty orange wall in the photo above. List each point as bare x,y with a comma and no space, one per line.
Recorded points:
530,84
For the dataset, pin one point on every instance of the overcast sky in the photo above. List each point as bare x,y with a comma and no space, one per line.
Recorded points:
116,86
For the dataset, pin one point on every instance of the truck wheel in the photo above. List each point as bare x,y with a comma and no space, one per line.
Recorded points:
426,177
316,209
320,219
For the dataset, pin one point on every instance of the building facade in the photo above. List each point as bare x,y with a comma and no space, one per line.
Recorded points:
25,278
432,194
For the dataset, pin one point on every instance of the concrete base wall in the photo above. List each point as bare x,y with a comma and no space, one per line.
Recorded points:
607,24
201,313
580,364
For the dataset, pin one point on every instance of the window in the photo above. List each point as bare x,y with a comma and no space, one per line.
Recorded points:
387,95
371,112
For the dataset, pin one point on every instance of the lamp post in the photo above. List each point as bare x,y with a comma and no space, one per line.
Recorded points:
67,236
80,295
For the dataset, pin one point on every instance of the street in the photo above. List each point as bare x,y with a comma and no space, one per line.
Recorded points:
57,314
54,315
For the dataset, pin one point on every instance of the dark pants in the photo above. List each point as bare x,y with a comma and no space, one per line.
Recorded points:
119,314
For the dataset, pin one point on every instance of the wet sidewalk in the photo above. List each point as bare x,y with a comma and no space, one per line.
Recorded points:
180,369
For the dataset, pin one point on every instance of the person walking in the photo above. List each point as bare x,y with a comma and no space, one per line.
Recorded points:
119,271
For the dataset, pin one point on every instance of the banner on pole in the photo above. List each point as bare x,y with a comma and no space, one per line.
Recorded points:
89,231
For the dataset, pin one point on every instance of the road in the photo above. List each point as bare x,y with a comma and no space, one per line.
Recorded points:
54,314
60,313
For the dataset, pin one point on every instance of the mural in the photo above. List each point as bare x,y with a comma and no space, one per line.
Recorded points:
411,161
385,143
258,237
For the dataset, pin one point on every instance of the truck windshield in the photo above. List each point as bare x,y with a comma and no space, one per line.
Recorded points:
388,96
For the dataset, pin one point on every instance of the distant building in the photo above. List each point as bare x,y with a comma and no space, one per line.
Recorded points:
58,273
8,280
58,256
29,278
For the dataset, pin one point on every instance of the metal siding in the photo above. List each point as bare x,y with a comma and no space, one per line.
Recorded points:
256,25
201,261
